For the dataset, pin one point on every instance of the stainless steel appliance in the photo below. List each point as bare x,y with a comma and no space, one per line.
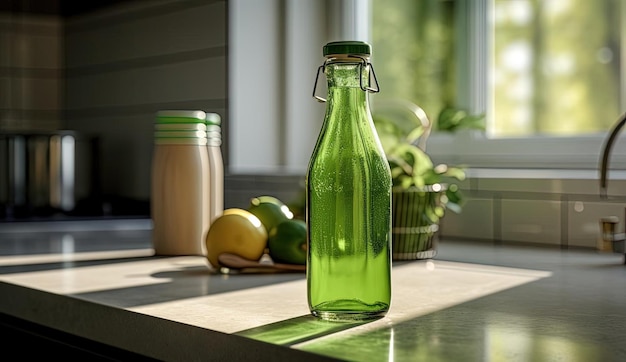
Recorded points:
45,173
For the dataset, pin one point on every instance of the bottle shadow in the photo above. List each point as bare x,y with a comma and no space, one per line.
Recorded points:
299,329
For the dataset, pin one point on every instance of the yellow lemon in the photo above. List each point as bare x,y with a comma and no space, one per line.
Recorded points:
270,210
236,231
287,242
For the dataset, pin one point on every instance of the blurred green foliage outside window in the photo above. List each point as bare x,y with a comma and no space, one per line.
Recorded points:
555,66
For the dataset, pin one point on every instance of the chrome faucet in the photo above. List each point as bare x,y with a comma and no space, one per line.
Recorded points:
606,152
610,239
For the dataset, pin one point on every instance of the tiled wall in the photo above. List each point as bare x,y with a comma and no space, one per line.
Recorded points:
31,72
125,62
550,210
105,73
546,210
241,188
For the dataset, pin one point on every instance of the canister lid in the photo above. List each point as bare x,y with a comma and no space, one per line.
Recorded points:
347,47
180,127
180,134
213,128
214,142
181,116
181,141
214,119
214,135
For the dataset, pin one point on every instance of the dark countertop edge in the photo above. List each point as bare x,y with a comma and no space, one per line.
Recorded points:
138,333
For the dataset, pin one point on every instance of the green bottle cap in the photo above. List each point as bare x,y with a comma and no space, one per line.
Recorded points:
347,47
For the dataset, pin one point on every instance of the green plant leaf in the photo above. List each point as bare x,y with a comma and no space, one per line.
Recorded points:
449,119
473,122
455,172
415,135
431,177
389,133
456,208
454,199
405,181
412,167
452,120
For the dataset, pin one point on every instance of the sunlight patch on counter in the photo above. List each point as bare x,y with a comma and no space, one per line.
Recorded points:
418,288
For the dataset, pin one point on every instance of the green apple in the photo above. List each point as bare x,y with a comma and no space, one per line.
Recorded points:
270,210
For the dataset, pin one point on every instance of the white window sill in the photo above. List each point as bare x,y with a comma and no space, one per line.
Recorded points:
552,174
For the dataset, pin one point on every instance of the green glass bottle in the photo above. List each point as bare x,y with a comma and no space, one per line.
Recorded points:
348,187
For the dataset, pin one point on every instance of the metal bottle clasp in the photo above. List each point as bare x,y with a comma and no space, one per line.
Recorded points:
363,63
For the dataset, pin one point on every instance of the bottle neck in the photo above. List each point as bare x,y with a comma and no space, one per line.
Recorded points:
347,74
345,86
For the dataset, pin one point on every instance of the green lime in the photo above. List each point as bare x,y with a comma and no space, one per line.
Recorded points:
287,242
270,210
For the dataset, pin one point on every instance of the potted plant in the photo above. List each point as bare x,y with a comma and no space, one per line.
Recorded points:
422,191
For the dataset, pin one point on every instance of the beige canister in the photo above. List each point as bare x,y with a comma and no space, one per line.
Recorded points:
180,195
216,165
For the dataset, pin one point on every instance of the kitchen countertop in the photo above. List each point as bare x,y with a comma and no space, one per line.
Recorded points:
476,300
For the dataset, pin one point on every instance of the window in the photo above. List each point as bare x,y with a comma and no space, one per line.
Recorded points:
549,75
555,57
414,52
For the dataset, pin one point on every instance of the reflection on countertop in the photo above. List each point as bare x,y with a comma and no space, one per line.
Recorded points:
48,237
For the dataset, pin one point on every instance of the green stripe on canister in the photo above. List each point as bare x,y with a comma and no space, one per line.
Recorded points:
180,127
213,119
181,116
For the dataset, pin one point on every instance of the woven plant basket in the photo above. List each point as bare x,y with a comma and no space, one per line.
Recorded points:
415,214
